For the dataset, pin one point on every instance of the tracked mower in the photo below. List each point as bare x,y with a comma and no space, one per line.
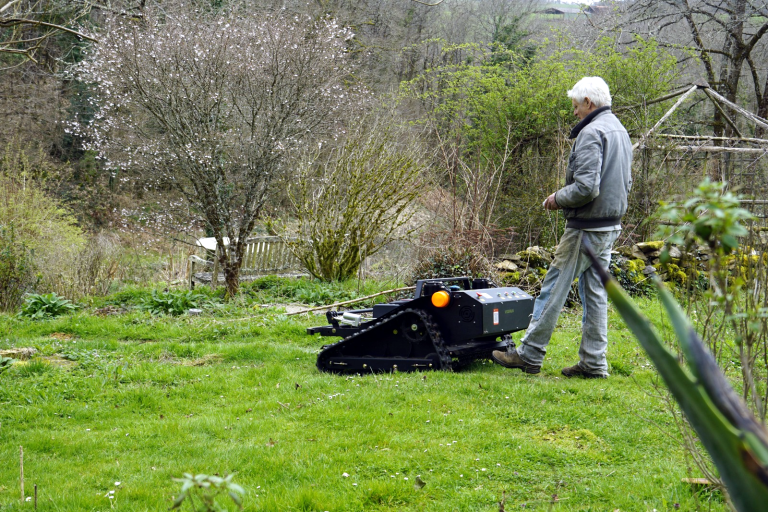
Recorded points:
448,324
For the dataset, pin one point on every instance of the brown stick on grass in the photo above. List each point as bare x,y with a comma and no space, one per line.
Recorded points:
359,299
21,472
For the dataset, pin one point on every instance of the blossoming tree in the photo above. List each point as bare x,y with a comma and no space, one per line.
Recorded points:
211,104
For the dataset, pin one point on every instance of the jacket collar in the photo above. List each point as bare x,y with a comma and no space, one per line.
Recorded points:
584,122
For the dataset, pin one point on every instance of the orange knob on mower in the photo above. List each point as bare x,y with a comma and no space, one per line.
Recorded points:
441,298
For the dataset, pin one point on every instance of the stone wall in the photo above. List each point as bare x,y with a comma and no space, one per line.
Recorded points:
631,265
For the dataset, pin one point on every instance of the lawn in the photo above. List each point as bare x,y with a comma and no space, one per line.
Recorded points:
140,399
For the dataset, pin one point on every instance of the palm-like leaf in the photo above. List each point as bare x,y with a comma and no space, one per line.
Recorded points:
736,441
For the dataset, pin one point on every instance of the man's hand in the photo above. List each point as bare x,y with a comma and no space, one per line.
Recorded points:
550,203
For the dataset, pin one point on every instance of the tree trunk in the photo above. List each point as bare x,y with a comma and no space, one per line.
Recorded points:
232,279
232,262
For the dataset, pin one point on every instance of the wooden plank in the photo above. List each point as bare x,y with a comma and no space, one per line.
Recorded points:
249,256
262,254
746,113
711,149
284,261
722,112
270,254
657,100
712,137
665,116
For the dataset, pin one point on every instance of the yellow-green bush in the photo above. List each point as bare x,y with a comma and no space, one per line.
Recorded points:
46,231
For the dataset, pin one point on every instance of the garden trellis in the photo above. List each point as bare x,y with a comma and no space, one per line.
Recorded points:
738,160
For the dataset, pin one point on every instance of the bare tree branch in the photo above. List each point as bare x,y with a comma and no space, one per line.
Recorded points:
10,22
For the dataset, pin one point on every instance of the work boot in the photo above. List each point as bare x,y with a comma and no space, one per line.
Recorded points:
511,359
577,371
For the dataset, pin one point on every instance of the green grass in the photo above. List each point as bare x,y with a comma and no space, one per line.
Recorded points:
138,399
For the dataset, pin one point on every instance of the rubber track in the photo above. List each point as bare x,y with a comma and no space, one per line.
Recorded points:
432,330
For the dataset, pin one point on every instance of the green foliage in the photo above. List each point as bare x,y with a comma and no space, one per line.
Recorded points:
736,441
201,492
311,292
480,99
354,201
712,217
176,302
281,290
46,305
727,300
32,368
128,296
513,114
5,363
45,234
17,271
318,295
41,222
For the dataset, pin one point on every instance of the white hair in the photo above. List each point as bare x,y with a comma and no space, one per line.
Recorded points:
594,88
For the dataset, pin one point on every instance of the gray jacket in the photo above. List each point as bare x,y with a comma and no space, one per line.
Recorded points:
599,174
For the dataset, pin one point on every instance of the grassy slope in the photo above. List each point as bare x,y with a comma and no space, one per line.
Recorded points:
151,398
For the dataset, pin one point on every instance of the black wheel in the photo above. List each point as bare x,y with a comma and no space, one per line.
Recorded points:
412,328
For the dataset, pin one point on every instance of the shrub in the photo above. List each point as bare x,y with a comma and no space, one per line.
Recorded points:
172,302
40,222
39,234
318,295
270,283
727,302
352,203
510,113
452,262
46,305
87,269
17,272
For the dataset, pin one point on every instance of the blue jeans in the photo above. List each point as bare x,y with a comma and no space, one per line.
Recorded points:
570,263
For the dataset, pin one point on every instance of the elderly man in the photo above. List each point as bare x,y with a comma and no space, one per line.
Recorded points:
593,200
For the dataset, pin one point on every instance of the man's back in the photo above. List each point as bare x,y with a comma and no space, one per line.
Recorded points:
601,162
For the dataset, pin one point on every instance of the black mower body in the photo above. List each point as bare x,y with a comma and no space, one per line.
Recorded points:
415,334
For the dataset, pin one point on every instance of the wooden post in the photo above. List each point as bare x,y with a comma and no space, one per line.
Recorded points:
191,266
21,472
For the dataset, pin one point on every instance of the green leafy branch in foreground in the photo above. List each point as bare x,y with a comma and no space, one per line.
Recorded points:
736,441
712,216
201,491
